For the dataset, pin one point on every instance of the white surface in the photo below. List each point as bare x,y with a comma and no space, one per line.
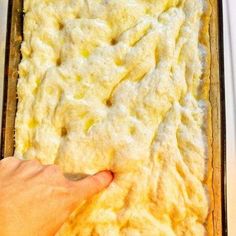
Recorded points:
230,92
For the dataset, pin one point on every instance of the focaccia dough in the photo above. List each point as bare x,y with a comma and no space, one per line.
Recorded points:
120,85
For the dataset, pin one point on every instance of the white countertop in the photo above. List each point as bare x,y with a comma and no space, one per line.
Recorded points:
229,7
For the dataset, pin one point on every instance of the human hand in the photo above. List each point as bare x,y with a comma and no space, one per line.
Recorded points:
37,199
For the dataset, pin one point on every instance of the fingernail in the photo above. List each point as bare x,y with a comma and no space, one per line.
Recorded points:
106,175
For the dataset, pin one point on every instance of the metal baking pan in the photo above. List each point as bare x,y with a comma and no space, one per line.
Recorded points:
12,56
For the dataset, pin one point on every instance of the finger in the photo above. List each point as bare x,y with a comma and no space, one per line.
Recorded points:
10,163
54,174
29,168
86,188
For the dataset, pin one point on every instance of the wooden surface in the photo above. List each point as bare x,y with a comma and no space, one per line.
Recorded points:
214,180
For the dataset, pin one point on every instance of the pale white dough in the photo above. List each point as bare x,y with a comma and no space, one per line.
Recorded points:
116,84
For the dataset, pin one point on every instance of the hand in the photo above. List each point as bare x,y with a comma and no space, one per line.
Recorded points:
37,199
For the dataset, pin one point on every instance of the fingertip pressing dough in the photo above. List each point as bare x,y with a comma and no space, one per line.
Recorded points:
121,85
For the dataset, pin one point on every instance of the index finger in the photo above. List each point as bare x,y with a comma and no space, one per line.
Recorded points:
91,185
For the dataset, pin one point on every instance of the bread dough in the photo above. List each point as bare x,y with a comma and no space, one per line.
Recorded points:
120,85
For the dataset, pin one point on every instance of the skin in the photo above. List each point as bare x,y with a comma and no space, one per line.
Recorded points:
37,200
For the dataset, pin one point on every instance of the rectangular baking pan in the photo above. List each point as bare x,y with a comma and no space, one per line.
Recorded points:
217,98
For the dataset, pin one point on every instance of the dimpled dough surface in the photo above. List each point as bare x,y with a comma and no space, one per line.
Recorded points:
120,85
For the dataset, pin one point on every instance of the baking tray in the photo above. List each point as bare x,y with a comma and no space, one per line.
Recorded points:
217,98
12,59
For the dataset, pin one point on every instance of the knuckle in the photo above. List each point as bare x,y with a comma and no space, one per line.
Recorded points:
9,160
53,169
32,162
68,184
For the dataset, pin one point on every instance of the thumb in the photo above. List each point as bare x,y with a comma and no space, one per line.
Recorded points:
89,186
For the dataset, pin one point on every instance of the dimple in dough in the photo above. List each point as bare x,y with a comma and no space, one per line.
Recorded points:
120,85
